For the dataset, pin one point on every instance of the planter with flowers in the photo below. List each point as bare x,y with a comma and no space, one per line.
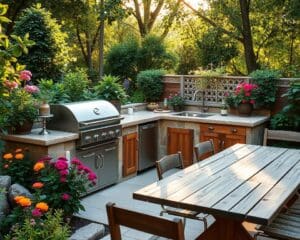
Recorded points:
243,98
18,105
176,101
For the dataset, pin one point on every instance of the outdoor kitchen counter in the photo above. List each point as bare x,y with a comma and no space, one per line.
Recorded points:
55,137
147,116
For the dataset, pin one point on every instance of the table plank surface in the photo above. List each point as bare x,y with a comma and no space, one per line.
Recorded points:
243,182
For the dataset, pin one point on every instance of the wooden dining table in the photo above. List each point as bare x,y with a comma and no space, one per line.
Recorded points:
242,183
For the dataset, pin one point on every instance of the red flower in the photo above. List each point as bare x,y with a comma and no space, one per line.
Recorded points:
25,75
61,165
92,176
36,212
65,196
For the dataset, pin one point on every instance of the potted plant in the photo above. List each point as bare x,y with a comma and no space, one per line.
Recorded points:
243,98
176,101
18,106
109,89
150,83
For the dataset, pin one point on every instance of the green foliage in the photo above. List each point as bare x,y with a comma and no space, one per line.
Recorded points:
17,107
266,91
52,228
188,61
153,55
215,49
49,56
54,92
175,100
75,83
109,89
289,117
18,166
121,59
150,83
137,97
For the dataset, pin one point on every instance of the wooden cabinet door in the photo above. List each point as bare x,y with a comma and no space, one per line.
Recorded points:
216,137
180,139
233,139
130,154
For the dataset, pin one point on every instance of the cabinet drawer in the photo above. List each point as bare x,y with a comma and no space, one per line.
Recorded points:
225,129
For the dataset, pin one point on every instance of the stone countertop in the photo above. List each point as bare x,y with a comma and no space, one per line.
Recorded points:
147,116
54,137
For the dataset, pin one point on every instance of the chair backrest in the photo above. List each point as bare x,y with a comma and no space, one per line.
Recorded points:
281,135
142,222
167,163
204,149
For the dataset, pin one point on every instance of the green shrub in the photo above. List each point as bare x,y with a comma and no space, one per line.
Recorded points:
150,83
153,55
266,91
52,228
109,89
75,83
49,56
121,59
137,97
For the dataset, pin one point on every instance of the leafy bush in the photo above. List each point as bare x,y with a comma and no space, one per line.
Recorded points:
137,97
109,89
75,83
121,59
53,92
18,166
49,56
51,227
289,117
150,83
266,91
153,55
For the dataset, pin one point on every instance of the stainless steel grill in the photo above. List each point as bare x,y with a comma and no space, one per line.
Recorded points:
98,125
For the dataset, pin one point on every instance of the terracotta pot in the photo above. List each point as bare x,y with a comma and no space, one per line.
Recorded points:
245,109
25,128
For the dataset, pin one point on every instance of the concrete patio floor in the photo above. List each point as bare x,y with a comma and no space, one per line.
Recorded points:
121,194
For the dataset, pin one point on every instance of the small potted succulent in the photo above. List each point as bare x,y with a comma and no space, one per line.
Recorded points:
176,101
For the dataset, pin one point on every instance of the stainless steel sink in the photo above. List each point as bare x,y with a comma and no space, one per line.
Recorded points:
194,114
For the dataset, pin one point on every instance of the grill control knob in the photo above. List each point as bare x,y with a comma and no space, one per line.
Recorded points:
111,133
87,139
117,131
96,137
103,135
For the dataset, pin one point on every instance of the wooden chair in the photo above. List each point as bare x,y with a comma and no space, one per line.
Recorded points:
142,222
285,226
290,136
164,165
202,149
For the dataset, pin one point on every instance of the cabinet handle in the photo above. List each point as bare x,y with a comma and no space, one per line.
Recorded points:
88,155
109,149
211,128
233,130
99,161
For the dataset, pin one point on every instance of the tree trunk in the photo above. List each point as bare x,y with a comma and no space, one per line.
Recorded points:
247,37
101,41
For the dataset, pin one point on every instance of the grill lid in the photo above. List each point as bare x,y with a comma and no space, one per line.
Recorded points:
69,116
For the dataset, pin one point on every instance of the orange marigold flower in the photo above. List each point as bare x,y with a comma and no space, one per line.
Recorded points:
38,166
6,166
18,198
42,206
24,202
19,156
18,150
7,156
38,185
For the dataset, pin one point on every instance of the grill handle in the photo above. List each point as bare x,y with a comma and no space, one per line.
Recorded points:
101,121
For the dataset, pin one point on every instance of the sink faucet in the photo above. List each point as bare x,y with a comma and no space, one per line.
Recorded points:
204,109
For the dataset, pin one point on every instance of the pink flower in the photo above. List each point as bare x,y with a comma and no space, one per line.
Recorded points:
87,170
11,84
31,89
244,101
25,75
61,165
247,94
92,176
63,179
252,101
65,196
63,173
62,159
36,213
76,161
80,167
